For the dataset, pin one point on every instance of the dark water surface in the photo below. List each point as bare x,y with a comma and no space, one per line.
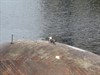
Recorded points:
74,22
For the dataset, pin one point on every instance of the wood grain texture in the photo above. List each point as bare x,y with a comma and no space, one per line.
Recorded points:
39,58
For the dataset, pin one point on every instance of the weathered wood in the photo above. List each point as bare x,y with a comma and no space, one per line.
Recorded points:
12,39
44,58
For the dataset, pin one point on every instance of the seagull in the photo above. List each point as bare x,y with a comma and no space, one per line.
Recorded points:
51,40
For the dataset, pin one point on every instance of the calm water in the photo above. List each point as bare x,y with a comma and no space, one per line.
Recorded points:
74,22
22,18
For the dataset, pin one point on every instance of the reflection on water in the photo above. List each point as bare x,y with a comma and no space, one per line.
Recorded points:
75,22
